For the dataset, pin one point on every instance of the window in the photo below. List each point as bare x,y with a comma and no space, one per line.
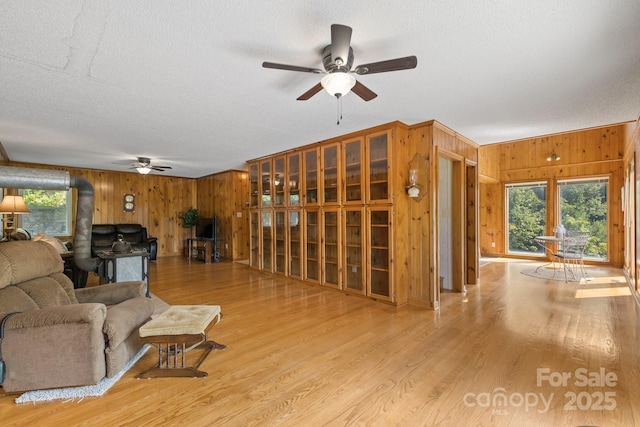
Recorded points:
527,215
51,212
584,207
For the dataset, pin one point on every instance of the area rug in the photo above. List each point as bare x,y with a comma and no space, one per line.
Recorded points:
548,274
79,393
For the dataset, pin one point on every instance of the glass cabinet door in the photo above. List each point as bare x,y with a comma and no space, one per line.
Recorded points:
352,162
293,183
295,244
279,181
267,241
330,175
378,164
311,177
254,238
253,185
280,242
265,184
379,280
354,250
312,248
331,249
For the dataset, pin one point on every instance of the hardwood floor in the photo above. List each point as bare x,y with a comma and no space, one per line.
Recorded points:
302,355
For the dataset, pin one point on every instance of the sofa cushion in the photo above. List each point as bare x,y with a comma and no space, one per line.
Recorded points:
45,292
14,299
103,234
124,318
16,270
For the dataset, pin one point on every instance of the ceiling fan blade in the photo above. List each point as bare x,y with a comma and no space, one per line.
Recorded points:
340,44
397,64
291,67
308,94
363,92
159,168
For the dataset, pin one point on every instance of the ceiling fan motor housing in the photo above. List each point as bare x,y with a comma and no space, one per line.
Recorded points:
331,66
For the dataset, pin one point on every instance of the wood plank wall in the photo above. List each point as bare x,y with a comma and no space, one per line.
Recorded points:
583,153
428,139
159,201
226,195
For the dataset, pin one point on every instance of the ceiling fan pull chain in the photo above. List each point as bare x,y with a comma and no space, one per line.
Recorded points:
339,98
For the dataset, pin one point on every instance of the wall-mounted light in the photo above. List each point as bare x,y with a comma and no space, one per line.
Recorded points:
413,189
553,156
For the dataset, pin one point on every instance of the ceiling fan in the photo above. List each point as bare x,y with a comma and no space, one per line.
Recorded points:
337,59
143,165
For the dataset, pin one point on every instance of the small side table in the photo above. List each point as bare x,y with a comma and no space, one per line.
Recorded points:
176,331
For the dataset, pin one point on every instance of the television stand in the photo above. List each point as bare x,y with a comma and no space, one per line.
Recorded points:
203,247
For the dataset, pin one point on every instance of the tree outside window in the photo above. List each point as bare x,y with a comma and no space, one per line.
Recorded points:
527,216
584,207
50,212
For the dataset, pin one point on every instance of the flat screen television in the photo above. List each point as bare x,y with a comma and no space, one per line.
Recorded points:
206,227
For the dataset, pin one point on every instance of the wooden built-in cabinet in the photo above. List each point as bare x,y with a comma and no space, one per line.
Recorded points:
333,228
336,225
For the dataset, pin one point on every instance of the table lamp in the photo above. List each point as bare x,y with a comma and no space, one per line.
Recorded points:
12,205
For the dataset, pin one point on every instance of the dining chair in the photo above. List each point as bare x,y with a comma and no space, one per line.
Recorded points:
571,254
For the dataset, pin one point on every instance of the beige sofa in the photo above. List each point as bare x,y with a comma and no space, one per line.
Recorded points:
63,337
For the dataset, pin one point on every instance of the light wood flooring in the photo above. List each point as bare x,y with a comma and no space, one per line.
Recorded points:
300,355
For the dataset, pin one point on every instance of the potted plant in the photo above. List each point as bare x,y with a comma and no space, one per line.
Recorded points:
189,218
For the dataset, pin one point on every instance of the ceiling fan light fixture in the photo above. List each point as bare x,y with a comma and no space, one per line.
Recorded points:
143,169
338,83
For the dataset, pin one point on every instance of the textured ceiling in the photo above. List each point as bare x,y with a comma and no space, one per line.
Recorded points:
89,83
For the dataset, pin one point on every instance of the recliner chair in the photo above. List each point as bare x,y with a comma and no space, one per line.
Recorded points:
63,337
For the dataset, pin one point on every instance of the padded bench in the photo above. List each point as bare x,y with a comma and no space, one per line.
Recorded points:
175,332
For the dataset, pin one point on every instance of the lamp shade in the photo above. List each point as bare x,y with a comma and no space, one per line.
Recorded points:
14,205
144,170
338,83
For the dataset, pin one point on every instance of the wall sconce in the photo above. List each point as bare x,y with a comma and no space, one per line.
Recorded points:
553,156
413,189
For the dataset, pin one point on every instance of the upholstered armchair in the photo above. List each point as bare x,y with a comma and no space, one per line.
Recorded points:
63,337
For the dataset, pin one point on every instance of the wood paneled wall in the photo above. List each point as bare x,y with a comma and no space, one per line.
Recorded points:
226,196
431,139
583,153
160,200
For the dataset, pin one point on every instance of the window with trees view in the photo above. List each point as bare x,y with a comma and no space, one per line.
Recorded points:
50,212
527,216
584,207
